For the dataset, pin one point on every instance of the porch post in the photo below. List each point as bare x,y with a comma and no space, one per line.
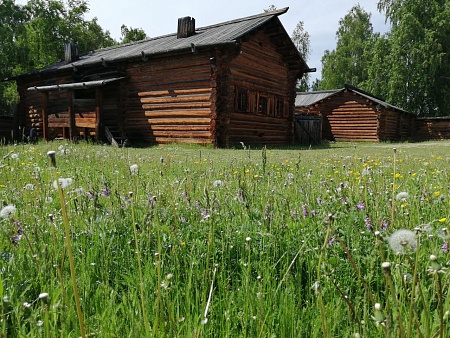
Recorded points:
98,113
71,115
45,115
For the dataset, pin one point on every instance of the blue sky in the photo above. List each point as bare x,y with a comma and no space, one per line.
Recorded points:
320,17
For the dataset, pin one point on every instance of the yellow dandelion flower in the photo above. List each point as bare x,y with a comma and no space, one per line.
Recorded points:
247,171
182,243
442,220
437,193
256,176
404,205
397,175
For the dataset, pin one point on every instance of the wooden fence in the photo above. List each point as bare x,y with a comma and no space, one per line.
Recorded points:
308,129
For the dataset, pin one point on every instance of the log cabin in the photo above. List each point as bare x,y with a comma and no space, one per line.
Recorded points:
221,85
351,114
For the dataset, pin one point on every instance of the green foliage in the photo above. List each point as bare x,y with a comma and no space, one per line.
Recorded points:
408,67
300,37
419,55
33,36
230,243
131,34
349,62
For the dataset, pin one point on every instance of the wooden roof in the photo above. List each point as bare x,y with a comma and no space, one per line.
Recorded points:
226,33
305,99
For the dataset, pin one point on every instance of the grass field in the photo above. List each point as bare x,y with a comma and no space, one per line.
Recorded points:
181,241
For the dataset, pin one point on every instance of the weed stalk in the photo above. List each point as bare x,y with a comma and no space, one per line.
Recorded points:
52,156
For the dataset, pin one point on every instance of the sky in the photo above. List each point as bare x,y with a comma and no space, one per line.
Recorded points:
320,17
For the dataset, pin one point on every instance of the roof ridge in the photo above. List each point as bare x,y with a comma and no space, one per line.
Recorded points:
261,15
270,13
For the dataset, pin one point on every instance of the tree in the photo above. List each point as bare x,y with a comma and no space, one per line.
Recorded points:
33,36
419,55
270,9
131,34
300,37
12,18
349,62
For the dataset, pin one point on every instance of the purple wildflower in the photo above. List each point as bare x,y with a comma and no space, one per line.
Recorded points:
106,192
91,195
368,223
344,201
331,241
384,225
445,247
361,205
15,239
304,209
319,200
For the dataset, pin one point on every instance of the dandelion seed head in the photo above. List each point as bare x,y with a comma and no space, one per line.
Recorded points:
8,211
134,169
402,196
402,241
217,183
63,182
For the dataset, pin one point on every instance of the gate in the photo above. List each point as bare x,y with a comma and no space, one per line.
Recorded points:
308,129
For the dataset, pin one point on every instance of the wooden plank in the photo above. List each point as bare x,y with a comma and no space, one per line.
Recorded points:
174,100
175,92
186,121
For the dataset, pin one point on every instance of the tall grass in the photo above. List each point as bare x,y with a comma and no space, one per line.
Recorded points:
232,243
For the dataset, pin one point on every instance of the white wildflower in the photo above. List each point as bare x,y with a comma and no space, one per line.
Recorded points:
134,169
402,196
63,182
8,211
402,241
217,183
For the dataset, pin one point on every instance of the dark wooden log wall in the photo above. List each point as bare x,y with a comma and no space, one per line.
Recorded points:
31,102
432,128
58,102
169,100
349,117
395,125
6,128
260,70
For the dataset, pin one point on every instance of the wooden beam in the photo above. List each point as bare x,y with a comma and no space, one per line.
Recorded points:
98,113
45,115
72,127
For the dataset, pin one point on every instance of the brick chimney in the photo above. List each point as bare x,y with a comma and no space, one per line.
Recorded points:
186,27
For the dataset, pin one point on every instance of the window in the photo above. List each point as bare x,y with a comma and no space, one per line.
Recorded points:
262,105
242,101
279,104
